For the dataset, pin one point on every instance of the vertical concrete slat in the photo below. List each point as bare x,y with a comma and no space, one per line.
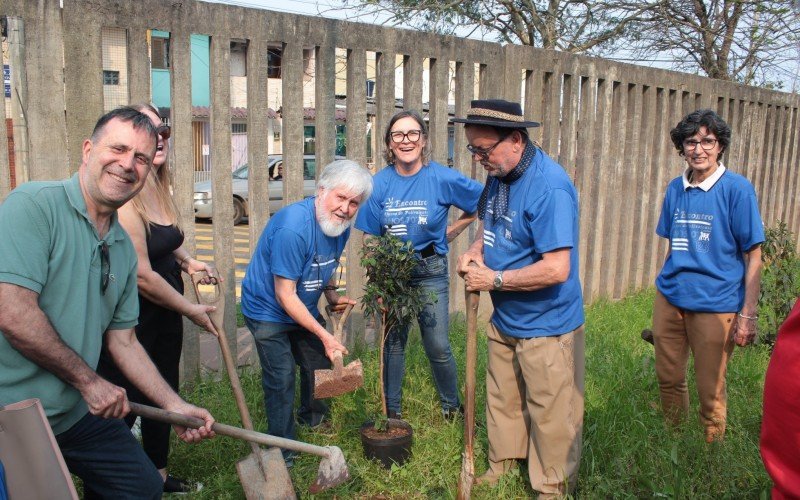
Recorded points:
660,178
83,76
5,168
221,180
551,118
768,185
437,112
586,166
569,117
292,114
138,66
412,82
779,155
325,116
756,150
385,105
629,151
533,102
462,161
611,261
183,171
644,232
356,151
19,101
793,184
257,143
48,156
597,206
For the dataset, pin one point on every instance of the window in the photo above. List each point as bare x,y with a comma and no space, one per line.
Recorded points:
309,168
274,56
159,53
110,77
239,58
238,128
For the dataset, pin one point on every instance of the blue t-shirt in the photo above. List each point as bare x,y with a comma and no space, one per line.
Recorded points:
709,231
542,217
294,247
415,208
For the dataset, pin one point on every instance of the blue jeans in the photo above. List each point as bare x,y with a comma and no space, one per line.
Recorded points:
280,347
434,323
109,460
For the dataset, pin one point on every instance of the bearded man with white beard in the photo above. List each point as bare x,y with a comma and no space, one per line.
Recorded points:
294,263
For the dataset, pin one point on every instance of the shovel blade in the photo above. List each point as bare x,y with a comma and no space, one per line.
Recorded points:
328,385
272,482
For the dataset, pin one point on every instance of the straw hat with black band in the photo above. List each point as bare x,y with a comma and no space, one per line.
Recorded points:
496,113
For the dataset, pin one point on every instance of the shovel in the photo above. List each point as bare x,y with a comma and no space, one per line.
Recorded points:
467,476
341,379
332,468
262,473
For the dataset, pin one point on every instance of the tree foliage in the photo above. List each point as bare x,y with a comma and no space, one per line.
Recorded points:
567,25
746,41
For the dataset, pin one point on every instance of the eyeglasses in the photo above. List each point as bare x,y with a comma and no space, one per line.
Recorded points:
327,288
706,143
411,135
105,267
164,131
484,152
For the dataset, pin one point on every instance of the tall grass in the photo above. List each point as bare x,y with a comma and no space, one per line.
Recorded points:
628,452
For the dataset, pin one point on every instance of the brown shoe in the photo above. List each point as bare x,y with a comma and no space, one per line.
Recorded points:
647,335
495,471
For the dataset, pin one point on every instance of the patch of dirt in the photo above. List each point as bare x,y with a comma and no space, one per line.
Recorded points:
391,432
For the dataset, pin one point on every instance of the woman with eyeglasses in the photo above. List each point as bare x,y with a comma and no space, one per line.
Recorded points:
707,291
412,200
151,220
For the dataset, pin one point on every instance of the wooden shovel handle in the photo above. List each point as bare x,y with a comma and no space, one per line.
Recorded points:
338,324
472,301
230,366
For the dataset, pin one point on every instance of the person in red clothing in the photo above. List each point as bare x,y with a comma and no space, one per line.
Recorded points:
780,428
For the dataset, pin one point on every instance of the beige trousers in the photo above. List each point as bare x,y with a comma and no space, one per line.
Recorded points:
534,406
708,335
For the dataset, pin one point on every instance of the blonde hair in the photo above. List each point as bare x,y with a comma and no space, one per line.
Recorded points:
159,182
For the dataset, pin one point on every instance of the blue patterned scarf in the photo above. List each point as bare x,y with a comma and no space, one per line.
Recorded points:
501,197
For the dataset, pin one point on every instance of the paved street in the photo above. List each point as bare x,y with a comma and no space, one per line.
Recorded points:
241,251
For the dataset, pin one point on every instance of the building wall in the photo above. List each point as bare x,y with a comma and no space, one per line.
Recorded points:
115,61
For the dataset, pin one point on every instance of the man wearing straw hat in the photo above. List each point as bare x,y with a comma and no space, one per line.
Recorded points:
527,258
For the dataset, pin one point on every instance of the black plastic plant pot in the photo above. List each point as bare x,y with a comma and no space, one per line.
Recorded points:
388,447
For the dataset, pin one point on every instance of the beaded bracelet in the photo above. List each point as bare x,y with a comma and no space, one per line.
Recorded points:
748,317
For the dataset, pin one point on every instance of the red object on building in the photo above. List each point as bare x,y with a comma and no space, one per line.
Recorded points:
780,428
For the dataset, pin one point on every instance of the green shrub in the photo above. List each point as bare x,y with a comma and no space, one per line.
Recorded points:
780,281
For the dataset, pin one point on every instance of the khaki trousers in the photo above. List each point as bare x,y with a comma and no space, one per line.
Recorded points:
708,335
534,406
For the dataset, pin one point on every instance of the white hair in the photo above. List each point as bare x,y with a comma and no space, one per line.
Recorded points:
347,175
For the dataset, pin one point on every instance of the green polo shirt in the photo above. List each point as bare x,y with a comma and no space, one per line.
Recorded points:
49,245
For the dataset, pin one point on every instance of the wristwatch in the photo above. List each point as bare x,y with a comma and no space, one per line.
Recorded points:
498,280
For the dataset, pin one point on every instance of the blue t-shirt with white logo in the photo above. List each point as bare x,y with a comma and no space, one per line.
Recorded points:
709,231
414,208
294,247
542,217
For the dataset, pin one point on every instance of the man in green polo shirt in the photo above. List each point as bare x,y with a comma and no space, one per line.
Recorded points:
67,278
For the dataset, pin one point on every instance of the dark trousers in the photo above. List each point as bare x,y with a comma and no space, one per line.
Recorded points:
162,339
109,460
281,347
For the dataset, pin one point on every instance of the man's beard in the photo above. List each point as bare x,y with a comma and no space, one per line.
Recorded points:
331,227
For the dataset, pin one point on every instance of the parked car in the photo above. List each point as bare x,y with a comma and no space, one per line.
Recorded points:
203,200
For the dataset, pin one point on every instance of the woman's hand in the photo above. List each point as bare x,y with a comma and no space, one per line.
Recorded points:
195,266
199,315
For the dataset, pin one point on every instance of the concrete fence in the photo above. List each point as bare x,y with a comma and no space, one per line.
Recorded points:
607,123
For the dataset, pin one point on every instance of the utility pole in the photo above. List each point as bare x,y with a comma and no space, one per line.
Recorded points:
19,97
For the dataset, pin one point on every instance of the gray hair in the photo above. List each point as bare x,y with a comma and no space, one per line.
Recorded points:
347,175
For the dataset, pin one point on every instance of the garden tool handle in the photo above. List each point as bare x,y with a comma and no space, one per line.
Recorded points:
228,430
217,319
338,324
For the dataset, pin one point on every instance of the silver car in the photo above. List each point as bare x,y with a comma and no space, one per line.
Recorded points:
203,201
